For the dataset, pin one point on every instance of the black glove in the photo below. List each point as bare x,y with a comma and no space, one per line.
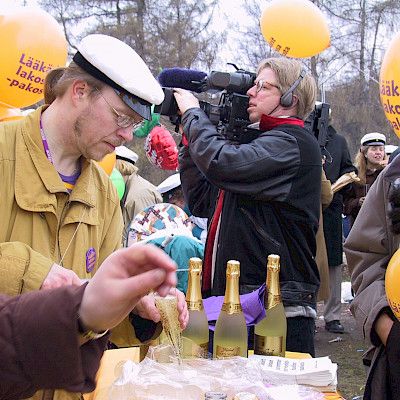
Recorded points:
394,206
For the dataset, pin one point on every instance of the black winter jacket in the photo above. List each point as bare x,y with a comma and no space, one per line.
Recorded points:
271,204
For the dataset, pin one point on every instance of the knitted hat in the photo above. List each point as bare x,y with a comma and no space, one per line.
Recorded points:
159,220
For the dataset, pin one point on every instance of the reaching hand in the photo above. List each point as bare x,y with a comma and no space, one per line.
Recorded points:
124,278
146,308
185,100
394,206
59,276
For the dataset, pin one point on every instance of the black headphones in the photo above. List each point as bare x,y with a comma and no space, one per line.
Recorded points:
287,97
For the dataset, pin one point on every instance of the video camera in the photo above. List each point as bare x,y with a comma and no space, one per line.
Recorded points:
229,115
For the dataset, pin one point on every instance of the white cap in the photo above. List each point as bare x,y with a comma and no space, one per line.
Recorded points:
373,139
123,153
390,148
115,63
170,183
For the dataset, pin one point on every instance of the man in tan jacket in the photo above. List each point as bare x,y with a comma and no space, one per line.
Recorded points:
60,212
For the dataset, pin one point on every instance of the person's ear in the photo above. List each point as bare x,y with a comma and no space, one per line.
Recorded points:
80,89
295,101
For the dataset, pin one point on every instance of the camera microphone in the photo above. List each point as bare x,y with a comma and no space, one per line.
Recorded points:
183,78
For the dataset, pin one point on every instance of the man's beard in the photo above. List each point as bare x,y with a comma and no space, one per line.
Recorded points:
78,127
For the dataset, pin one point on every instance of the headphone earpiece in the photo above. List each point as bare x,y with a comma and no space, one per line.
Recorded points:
286,99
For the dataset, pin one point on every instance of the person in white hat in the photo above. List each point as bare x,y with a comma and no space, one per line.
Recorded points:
370,161
171,191
59,208
139,192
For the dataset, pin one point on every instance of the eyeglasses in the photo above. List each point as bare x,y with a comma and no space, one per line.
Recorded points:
261,84
123,120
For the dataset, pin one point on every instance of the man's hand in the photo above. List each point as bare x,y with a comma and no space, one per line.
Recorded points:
147,309
124,278
185,100
361,201
59,276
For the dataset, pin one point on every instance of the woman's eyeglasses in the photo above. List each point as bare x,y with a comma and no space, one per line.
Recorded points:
262,84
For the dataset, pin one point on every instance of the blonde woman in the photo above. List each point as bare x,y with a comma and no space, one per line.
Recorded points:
370,161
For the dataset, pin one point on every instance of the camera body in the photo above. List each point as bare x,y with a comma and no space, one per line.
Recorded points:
230,114
317,123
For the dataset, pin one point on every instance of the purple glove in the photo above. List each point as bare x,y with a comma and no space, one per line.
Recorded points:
252,305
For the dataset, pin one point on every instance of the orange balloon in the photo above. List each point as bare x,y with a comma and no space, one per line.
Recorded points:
108,162
390,83
295,28
9,114
31,43
392,279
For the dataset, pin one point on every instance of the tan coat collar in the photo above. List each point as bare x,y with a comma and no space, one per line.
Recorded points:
35,177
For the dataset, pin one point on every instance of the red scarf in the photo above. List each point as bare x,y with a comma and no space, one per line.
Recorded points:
207,267
268,123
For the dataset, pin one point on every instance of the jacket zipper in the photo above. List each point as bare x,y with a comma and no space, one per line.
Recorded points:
261,231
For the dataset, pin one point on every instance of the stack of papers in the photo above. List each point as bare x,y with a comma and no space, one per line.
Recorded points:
319,372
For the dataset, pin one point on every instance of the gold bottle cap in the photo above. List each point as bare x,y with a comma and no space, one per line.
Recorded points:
233,268
195,264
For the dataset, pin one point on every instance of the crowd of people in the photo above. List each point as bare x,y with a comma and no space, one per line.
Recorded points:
66,278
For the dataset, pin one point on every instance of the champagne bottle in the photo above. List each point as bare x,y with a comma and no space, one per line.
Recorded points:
230,337
270,333
195,336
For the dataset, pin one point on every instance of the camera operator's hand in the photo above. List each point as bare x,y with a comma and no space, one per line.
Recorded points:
394,206
185,100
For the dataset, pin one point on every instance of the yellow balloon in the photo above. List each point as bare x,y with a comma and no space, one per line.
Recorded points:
108,162
31,43
9,114
295,28
392,283
390,83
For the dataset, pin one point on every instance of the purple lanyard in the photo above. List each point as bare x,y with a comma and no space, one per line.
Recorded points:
45,143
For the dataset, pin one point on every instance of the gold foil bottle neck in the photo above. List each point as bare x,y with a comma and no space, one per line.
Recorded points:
231,303
233,268
195,265
273,286
194,299
273,262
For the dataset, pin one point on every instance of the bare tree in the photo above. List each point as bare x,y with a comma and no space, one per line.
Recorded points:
164,32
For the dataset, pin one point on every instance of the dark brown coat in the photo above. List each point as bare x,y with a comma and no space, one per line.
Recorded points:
39,346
